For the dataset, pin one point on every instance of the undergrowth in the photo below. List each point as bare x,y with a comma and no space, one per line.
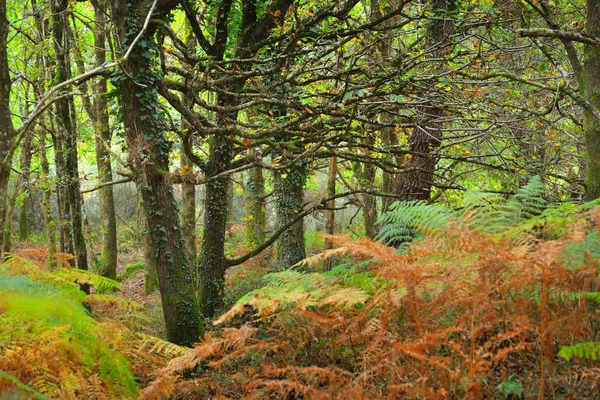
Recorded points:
497,300
468,311
51,346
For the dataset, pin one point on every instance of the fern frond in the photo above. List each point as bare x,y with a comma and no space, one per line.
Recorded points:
593,296
24,390
311,262
408,220
589,351
528,202
303,290
160,347
113,303
80,276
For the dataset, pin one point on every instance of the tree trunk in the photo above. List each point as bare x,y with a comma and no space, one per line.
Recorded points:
47,200
383,58
64,211
107,264
331,180
213,263
149,158
188,189
416,182
255,205
289,198
230,196
26,171
62,47
369,202
188,210
7,133
592,95
150,276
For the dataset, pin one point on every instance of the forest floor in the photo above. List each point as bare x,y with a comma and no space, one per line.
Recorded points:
457,314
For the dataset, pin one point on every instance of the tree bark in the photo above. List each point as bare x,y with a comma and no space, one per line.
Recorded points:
213,263
47,200
150,276
7,132
383,58
416,182
289,198
188,210
592,95
107,264
62,47
64,211
149,158
255,205
369,202
26,171
331,180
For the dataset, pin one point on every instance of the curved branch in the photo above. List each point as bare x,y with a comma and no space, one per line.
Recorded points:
562,35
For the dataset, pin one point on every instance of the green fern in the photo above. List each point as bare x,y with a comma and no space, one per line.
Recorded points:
410,220
482,211
593,296
43,316
589,351
298,289
527,203
48,319
20,390
101,283
117,302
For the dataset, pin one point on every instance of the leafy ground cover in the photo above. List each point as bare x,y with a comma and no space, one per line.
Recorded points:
463,310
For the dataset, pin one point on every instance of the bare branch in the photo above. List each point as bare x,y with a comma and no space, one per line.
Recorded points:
562,35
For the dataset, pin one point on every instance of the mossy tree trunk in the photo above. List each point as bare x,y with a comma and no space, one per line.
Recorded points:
289,199
213,263
47,198
149,149
188,209
188,188
150,276
64,211
255,205
369,202
10,212
64,108
25,167
107,264
252,30
592,95
7,132
330,213
366,174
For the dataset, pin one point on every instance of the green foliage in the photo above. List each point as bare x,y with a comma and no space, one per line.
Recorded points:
39,316
589,351
406,221
19,390
593,296
489,212
101,283
357,275
131,271
510,387
301,290
482,211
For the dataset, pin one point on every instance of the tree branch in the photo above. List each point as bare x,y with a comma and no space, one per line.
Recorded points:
562,35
